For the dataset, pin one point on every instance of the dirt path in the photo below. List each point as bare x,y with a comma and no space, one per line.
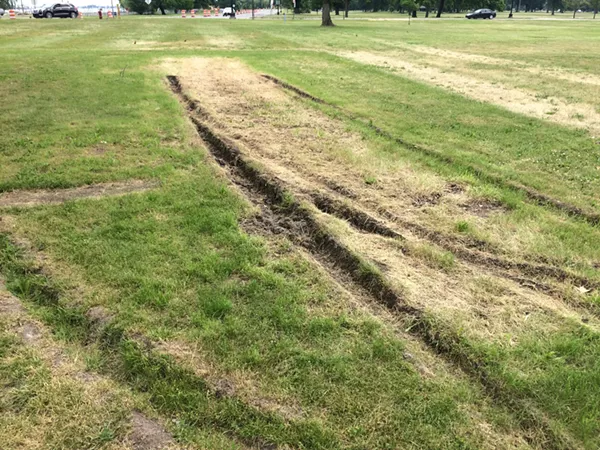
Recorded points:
554,109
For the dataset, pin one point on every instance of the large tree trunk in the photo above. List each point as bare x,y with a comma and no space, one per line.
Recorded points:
414,14
440,9
162,10
346,9
326,15
337,9
427,13
595,12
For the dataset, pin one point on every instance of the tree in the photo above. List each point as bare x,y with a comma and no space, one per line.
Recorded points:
410,6
440,9
428,4
595,5
326,14
7,4
337,5
138,6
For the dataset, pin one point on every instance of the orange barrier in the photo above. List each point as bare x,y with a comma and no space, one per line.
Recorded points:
206,13
183,13
215,12
109,14
193,13
80,15
11,14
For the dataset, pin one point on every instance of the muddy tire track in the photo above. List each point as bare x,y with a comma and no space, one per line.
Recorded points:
282,212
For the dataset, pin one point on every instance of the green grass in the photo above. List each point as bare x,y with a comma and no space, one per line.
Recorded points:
193,277
81,103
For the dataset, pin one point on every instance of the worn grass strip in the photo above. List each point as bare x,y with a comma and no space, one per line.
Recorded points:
172,390
31,198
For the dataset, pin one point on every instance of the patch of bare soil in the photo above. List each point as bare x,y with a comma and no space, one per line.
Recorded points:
148,434
31,198
577,115
484,207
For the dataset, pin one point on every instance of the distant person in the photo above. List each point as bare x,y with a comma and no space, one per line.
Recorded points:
100,14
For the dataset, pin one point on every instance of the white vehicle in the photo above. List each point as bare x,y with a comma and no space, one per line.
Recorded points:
228,12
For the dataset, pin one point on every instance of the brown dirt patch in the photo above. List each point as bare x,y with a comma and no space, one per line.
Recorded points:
9,304
483,207
99,316
147,434
30,332
26,198
577,115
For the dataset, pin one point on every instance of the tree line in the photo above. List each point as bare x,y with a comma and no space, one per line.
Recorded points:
338,7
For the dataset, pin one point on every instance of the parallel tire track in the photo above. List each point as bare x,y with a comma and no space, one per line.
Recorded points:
304,229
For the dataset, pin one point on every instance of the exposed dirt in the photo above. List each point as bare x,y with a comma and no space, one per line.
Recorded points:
320,158
408,288
30,332
147,434
483,207
22,198
516,100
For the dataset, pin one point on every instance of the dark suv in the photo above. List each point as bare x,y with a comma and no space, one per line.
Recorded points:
56,10
481,14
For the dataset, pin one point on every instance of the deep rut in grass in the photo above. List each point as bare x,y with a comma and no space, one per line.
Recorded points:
282,212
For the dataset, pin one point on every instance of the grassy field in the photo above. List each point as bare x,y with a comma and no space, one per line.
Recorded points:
404,253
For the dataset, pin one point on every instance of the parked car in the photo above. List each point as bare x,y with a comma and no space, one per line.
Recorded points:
228,12
481,14
56,10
